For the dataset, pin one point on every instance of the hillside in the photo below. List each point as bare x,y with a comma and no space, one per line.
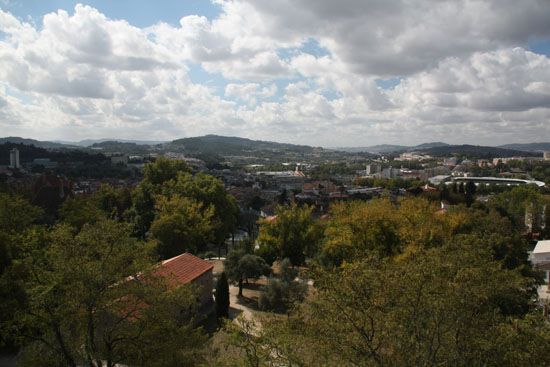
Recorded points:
389,148
429,145
529,147
476,151
121,147
90,142
36,143
227,146
29,152
382,148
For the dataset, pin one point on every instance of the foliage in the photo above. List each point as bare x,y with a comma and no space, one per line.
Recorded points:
469,192
241,266
438,306
106,203
102,314
182,225
518,202
142,212
163,170
17,217
282,293
222,296
293,234
358,228
80,210
211,192
168,180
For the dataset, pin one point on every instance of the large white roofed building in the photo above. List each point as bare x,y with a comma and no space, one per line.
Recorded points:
540,257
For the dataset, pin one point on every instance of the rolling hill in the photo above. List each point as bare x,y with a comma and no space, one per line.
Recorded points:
225,146
529,147
389,148
476,151
36,143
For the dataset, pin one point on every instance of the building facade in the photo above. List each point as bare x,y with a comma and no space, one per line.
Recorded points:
14,158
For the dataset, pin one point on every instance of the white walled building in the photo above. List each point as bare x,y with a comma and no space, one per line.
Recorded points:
540,257
14,158
373,169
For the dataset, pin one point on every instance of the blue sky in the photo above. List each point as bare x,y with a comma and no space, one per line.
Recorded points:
317,72
136,12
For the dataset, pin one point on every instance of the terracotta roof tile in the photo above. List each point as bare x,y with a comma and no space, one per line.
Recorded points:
183,268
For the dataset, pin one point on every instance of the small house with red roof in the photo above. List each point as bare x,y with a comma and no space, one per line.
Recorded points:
187,268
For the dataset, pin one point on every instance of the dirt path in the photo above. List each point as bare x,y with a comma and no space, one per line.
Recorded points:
237,308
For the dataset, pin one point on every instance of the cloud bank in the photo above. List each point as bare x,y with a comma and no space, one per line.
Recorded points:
303,71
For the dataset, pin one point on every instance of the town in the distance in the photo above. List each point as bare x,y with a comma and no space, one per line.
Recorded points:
235,252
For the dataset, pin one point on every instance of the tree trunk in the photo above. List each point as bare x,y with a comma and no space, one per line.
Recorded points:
241,287
65,352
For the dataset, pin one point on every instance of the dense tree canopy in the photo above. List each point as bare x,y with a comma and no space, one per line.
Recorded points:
17,220
211,192
87,306
182,225
292,234
169,188
437,306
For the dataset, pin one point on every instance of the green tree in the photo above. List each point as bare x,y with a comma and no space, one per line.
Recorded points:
163,169
222,296
80,210
211,192
18,219
358,229
142,213
241,266
282,293
106,203
155,175
521,203
94,300
469,192
183,224
435,307
293,234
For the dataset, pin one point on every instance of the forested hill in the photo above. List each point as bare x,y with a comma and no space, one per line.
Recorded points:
224,145
36,143
29,152
389,148
529,147
476,151
122,147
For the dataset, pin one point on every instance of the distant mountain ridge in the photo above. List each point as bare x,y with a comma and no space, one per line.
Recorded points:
389,148
440,148
476,151
36,143
90,142
529,147
230,145
236,146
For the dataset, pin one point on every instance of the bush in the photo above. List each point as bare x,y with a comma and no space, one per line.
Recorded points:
273,298
282,293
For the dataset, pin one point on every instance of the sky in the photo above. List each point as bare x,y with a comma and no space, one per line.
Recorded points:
317,72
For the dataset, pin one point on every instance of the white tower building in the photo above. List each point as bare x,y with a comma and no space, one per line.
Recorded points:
14,158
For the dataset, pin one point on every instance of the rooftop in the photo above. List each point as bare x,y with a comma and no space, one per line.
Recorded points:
542,247
183,268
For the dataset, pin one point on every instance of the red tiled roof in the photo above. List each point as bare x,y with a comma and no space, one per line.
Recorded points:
183,268
271,218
